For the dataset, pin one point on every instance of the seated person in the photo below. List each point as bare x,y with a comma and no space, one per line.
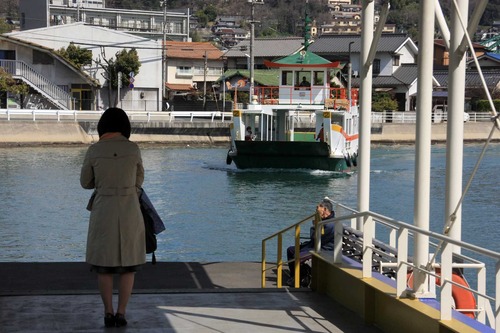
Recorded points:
304,82
325,211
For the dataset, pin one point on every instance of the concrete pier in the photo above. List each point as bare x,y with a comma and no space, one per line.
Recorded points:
168,297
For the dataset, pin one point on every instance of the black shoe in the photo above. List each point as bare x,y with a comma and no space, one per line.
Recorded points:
120,320
109,320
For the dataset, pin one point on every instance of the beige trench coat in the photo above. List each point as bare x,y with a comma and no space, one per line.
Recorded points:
116,230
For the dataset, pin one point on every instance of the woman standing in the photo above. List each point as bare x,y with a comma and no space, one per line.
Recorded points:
116,240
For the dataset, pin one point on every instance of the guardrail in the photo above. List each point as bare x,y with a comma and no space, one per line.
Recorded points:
406,117
398,237
134,116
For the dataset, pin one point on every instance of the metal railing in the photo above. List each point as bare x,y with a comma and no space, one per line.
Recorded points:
398,237
134,116
20,69
193,116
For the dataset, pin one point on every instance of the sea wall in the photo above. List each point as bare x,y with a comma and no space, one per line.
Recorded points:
210,133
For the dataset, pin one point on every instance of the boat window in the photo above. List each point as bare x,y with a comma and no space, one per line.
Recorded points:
319,78
338,119
303,80
286,78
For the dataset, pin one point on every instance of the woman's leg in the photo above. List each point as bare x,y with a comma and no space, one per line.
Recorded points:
105,283
125,290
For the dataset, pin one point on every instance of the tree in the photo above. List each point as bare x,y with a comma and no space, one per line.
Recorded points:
10,85
383,101
126,62
76,55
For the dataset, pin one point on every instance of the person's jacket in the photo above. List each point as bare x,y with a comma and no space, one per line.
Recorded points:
327,236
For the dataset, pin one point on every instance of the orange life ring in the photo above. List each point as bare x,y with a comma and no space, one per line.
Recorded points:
464,299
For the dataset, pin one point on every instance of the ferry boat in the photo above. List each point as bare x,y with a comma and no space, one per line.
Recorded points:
301,124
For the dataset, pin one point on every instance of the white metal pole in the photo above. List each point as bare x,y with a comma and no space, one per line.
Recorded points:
455,125
365,105
423,144
252,65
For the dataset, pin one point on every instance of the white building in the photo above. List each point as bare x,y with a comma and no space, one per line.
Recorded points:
148,24
104,44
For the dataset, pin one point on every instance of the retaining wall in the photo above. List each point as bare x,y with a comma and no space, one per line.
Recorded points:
50,132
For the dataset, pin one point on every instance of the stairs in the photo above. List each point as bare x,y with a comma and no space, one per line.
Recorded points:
20,70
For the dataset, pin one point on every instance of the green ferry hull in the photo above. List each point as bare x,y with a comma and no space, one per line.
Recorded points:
286,155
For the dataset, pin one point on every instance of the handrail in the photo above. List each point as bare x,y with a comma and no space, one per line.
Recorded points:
485,313
19,68
279,263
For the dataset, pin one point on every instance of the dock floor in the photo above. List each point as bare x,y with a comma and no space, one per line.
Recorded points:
168,297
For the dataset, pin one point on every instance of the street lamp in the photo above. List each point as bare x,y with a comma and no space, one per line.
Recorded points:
252,33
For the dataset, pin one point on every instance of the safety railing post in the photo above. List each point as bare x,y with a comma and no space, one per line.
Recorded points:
497,296
280,261
368,230
446,287
402,269
263,267
297,257
481,288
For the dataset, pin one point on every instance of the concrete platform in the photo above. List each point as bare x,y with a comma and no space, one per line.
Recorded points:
169,297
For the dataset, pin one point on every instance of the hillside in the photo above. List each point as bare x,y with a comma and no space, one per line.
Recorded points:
281,17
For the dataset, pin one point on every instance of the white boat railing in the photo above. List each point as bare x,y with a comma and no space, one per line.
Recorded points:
398,235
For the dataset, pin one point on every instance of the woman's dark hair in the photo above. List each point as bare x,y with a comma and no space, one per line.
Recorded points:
114,120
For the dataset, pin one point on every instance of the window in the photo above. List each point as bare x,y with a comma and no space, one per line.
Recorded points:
376,67
303,80
395,60
286,78
184,71
319,78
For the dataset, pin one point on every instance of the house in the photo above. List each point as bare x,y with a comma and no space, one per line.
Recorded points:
442,55
54,82
229,37
146,94
487,61
473,83
238,57
390,69
148,24
191,68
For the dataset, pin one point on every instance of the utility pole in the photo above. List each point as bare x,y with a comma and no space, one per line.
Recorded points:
205,69
349,77
252,34
163,54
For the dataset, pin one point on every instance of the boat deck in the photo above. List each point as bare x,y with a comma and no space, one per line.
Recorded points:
168,297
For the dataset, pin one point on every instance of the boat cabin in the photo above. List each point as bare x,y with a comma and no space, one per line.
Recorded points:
304,108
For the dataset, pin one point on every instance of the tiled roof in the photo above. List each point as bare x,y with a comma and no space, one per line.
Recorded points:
192,50
264,77
472,78
406,73
179,86
339,44
267,47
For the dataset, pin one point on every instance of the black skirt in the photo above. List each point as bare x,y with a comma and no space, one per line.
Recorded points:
115,270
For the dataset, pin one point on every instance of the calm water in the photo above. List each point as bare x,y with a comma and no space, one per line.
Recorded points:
214,212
